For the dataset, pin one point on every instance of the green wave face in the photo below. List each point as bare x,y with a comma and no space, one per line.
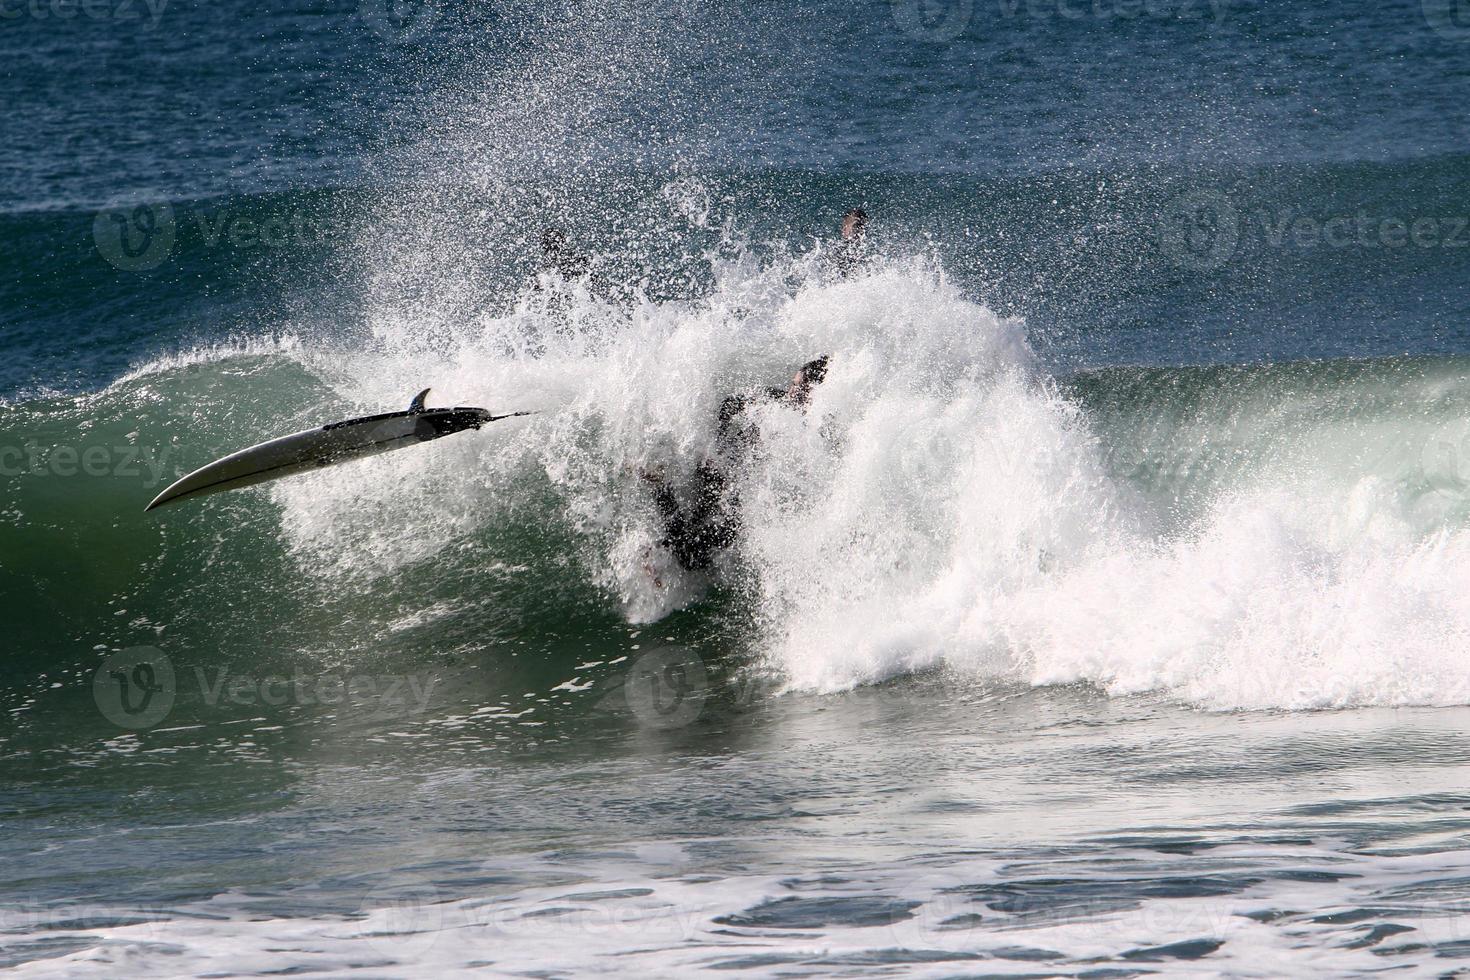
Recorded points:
942,471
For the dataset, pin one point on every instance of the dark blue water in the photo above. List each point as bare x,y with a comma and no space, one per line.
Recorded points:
1069,138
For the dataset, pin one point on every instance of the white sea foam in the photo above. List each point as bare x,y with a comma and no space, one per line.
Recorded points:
241,346
940,505
1242,910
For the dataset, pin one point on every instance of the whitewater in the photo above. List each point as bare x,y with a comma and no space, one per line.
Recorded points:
1264,540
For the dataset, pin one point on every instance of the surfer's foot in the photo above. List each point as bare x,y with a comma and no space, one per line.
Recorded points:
648,569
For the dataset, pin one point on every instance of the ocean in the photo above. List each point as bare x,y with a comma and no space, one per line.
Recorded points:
1104,613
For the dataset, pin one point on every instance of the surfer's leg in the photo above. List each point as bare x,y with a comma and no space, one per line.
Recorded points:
694,535
680,529
663,494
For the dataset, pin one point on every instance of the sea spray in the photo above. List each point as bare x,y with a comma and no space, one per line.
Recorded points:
943,503
1289,536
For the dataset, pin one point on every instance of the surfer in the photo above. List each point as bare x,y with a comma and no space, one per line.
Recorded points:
558,259
557,256
711,521
851,248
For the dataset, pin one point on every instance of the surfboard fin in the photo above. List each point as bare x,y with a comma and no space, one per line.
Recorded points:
417,405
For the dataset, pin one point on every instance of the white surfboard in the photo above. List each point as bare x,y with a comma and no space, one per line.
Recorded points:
327,445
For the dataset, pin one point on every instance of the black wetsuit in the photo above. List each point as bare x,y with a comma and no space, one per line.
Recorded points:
570,267
573,269
697,533
711,522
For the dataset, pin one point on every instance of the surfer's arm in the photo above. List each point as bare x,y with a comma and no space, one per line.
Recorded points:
663,494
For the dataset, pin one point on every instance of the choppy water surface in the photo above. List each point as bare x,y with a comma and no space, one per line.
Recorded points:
924,825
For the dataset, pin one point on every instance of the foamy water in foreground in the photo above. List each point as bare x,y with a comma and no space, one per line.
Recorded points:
914,827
